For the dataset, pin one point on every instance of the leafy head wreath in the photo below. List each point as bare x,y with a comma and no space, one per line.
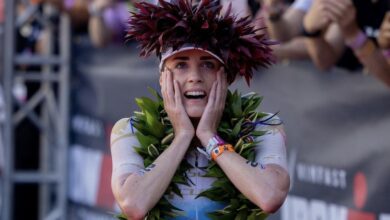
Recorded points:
170,26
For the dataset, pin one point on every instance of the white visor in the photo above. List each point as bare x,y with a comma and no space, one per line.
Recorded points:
170,52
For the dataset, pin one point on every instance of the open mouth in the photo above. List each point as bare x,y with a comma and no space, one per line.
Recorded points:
195,95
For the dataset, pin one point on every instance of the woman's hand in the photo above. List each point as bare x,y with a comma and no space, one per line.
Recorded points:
174,107
384,32
212,114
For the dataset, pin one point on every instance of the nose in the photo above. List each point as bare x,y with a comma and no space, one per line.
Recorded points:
195,76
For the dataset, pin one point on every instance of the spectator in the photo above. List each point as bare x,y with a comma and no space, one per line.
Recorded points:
107,21
335,24
284,23
77,10
384,36
238,7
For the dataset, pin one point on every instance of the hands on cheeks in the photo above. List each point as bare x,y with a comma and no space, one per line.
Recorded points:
212,114
173,105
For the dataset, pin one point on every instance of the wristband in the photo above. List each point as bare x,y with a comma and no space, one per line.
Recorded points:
214,142
358,41
217,151
314,34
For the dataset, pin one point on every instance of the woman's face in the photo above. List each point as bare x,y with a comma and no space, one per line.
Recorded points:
195,71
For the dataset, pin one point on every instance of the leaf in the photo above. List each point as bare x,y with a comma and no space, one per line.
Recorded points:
168,139
237,128
214,171
147,105
242,207
152,151
238,145
213,193
258,133
155,94
176,190
242,215
236,105
139,115
121,217
218,216
141,151
146,140
179,179
153,122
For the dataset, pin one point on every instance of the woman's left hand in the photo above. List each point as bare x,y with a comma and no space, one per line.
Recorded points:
212,114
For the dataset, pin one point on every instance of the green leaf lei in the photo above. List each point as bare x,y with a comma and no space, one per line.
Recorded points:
155,134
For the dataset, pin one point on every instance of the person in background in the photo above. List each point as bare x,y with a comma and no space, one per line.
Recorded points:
238,7
77,11
384,36
332,26
284,24
107,21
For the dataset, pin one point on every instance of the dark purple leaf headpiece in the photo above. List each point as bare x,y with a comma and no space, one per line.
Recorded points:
170,25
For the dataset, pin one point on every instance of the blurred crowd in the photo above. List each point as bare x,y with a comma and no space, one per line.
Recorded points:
351,34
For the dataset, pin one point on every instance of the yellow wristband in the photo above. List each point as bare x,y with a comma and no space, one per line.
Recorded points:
220,149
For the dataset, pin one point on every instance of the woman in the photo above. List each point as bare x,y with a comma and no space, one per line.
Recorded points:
200,53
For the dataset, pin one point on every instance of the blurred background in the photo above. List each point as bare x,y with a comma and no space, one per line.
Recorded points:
67,76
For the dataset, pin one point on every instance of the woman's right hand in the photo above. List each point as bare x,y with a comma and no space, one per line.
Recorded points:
173,105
